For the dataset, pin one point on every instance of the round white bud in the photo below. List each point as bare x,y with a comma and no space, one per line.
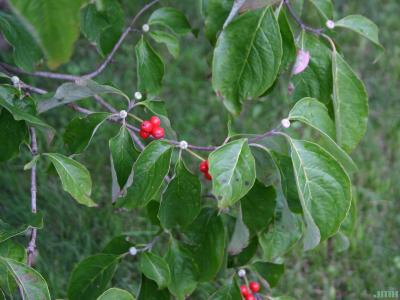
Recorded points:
285,123
330,24
138,95
145,27
15,80
133,251
123,114
242,273
183,145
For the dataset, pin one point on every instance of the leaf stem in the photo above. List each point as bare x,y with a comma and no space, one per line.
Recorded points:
195,154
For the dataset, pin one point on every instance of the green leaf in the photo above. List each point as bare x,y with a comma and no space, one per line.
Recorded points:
207,243
269,272
183,271
17,252
74,91
55,24
230,291
168,39
150,291
316,80
117,246
75,178
288,181
32,221
91,276
31,284
324,189
363,26
232,167
315,114
26,50
80,131
155,268
324,7
181,201
103,24
258,207
116,294
32,163
12,135
149,171
288,42
123,154
247,58
245,256
170,18
350,101
21,115
284,233
150,68
93,22
240,238
215,13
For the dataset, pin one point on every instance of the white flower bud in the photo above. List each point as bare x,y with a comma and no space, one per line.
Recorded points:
123,114
145,27
133,251
138,95
285,123
242,273
330,24
183,145
15,80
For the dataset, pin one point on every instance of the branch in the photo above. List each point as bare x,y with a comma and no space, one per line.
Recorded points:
99,69
237,5
32,242
317,31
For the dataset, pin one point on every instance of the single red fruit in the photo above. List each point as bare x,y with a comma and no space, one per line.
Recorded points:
250,297
254,286
158,133
207,176
244,290
155,121
144,135
146,126
203,166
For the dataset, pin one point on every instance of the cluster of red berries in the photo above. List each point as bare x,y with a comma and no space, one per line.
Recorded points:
203,167
248,293
151,127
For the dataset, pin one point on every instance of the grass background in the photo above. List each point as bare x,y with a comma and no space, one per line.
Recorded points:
72,232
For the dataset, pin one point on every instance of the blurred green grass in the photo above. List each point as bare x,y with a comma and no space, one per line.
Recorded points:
372,263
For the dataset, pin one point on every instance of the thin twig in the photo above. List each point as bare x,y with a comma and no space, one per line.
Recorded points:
32,242
99,69
237,5
317,31
120,41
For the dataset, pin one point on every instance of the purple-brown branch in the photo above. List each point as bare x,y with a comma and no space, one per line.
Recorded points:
32,242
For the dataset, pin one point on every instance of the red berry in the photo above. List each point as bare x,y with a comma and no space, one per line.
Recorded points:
155,121
158,133
144,135
207,176
254,286
250,297
203,166
244,290
146,126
